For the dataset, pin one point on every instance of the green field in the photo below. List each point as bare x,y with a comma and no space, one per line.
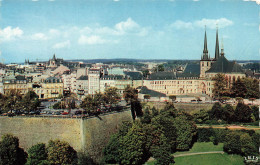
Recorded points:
209,159
203,147
205,159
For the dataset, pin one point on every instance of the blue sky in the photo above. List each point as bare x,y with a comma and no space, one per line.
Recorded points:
142,29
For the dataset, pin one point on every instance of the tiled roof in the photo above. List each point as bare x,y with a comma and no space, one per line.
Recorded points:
162,76
152,93
222,65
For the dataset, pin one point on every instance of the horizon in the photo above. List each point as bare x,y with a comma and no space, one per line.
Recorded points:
114,29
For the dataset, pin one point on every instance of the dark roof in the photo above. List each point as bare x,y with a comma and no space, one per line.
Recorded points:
183,75
20,77
152,93
134,75
83,78
112,77
222,65
162,76
192,69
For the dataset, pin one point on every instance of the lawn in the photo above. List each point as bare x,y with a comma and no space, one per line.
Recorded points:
203,147
209,159
206,159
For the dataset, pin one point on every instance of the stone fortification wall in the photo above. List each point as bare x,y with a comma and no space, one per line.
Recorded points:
84,135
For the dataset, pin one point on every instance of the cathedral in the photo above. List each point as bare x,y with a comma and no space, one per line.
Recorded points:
203,84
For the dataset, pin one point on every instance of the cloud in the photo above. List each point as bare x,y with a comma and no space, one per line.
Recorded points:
250,24
182,25
91,40
9,33
39,36
122,28
127,26
210,23
65,44
213,23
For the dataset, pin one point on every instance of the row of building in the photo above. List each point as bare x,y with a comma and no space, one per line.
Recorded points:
56,77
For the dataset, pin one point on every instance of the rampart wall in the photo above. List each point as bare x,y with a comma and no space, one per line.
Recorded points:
84,135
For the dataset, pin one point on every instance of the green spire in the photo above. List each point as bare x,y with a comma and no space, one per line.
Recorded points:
217,46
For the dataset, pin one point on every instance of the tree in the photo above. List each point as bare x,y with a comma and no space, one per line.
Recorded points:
132,146
219,85
172,97
37,155
238,89
131,95
146,118
232,143
243,113
147,97
228,113
10,152
30,101
162,152
60,152
184,138
247,146
92,103
201,117
145,73
255,111
111,95
252,87
216,111
155,112
12,100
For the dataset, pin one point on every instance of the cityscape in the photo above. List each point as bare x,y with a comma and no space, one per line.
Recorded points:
96,82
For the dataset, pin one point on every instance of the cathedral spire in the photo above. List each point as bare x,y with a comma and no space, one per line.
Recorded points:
205,50
222,48
217,46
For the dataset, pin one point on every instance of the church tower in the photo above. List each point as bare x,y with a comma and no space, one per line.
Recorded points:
217,47
205,62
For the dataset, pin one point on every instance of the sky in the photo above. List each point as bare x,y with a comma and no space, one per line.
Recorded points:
139,29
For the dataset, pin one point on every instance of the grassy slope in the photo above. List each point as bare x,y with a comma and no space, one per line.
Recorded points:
207,159
203,147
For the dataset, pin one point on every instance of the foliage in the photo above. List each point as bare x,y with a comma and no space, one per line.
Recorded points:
92,103
172,97
10,152
201,117
184,138
228,113
146,118
145,73
216,111
111,95
252,87
243,113
232,143
130,94
162,152
147,97
60,152
238,88
132,146
37,155
219,86
255,111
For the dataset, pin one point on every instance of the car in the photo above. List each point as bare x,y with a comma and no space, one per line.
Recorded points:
64,113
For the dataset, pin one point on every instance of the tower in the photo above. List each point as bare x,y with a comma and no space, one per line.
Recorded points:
205,62
217,47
